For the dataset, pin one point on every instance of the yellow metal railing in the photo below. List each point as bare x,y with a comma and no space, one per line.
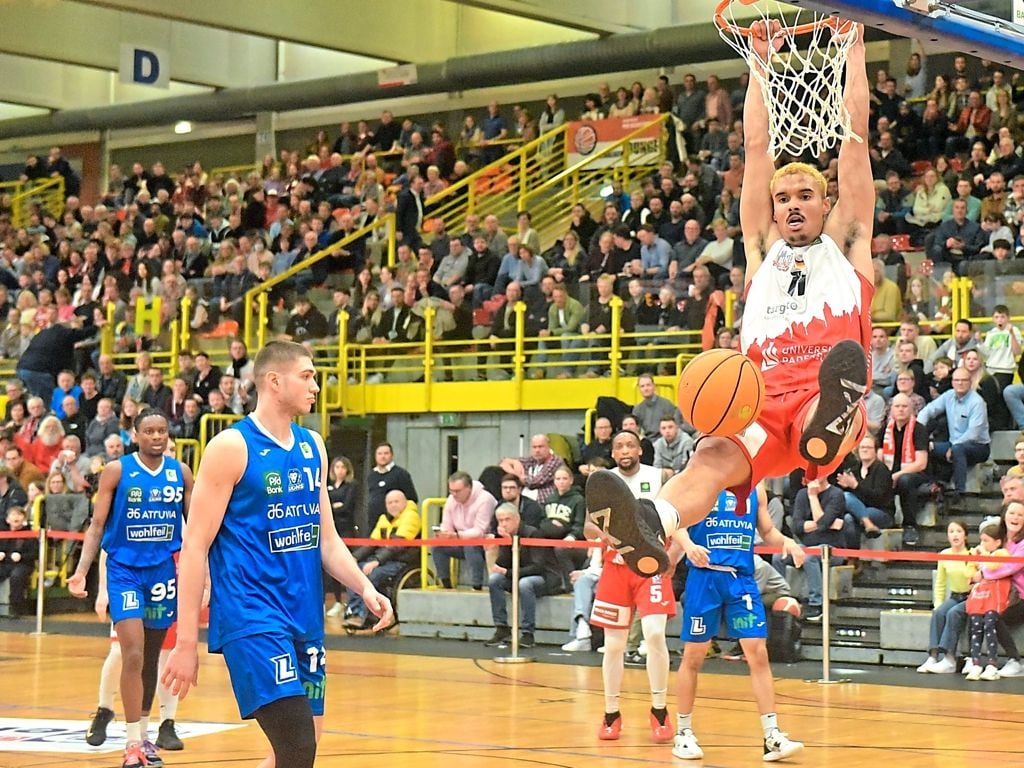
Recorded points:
429,522
498,187
254,330
48,193
551,200
228,171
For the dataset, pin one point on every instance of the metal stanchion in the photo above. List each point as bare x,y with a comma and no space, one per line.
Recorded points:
41,583
826,619
515,658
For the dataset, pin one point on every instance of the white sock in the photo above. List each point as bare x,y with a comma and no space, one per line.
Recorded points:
110,676
144,726
769,723
669,515
133,733
659,699
168,701
684,722
612,667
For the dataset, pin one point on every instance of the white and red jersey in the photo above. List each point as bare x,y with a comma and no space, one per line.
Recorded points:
800,302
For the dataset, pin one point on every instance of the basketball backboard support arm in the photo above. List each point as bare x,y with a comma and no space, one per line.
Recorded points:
963,29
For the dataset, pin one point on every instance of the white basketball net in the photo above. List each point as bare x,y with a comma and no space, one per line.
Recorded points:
802,83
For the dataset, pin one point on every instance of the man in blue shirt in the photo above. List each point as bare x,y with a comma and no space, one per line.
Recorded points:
655,253
494,128
969,438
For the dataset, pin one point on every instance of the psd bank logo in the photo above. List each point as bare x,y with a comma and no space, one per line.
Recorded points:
273,484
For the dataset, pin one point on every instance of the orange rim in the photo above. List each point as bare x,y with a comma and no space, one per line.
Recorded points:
800,29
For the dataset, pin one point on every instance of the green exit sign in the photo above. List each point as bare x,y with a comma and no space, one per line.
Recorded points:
451,419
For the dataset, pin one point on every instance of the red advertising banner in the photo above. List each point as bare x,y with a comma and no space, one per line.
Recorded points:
586,138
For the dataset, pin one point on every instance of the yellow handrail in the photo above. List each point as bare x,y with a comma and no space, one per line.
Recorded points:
231,170
427,532
49,192
387,221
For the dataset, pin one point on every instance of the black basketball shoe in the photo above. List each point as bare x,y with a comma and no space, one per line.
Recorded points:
842,381
631,526
96,733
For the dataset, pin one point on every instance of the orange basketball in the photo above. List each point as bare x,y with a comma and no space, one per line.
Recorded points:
720,392
787,604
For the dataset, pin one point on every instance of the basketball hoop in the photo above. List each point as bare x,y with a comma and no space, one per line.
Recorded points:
802,82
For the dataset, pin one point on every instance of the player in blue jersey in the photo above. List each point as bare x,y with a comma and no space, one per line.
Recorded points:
137,519
263,520
720,584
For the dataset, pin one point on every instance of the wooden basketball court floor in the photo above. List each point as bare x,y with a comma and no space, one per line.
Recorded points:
400,709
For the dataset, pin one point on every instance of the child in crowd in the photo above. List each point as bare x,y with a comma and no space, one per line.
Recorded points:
988,599
17,560
954,575
1018,453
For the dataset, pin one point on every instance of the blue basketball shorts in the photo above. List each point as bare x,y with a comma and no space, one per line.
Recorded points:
265,668
148,592
711,594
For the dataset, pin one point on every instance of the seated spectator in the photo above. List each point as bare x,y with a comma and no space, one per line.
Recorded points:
481,272
111,383
956,240
76,468
887,303
655,253
962,340
950,587
564,515
538,576
892,204
929,201
453,266
584,586
883,360
819,512
967,421
156,395
401,520
599,322
11,493
972,121
672,449
867,489
653,407
73,421
17,561
964,191
21,471
467,514
47,444
599,447
207,377
306,324
530,512
536,472
65,386
686,252
565,318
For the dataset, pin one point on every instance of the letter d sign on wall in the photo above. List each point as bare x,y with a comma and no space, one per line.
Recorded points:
144,65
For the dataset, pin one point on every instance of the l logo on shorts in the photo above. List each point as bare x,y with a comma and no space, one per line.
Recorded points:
130,601
697,625
284,669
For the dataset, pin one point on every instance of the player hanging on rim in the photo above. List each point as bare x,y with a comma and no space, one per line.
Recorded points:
140,508
263,518
806,325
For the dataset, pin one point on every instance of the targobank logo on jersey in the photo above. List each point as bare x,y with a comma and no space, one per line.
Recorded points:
150,532
272,480
296,538
134,495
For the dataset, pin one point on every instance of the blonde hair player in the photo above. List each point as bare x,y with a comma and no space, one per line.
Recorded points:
806,325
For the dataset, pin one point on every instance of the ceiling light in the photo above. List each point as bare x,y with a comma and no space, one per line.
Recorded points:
183,126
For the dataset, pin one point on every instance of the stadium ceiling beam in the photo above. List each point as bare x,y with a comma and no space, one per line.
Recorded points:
89,36
573,14
394,30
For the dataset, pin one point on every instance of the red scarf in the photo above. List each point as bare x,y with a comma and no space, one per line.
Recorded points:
889,443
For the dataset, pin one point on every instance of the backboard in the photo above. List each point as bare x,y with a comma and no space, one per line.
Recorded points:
982,28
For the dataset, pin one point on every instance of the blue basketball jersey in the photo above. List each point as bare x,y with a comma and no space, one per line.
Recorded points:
265,561
729,537
146,514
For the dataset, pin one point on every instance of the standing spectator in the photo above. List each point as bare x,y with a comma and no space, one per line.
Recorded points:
1002,347
538,576
969,440
386,476
48,353
950,587
537,471
905,453
400,521
887,303
467,514
494,128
